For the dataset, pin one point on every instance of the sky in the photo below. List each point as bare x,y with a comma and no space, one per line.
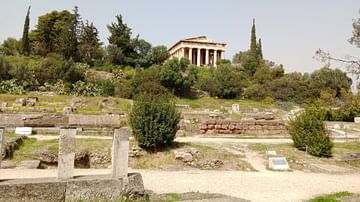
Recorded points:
291,31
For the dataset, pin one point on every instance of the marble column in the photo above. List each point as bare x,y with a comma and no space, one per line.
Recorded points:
190,55
198,57
215,58
222,55
120,153
207,57
66,155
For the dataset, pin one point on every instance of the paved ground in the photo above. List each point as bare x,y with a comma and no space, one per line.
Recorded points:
254,186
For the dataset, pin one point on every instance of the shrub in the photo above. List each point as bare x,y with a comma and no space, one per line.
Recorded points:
12,87
154,120
81,88
106,88
308,130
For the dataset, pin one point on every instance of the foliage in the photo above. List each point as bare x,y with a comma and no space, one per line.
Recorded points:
158,55
225,82
10,46
308,132
59,87
255,53
154,120
178,76
81,88
255,92
12,87
347,112
331,81
335,197
106,88
25,38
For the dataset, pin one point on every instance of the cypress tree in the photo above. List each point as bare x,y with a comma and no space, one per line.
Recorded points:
253,42
259,48
25,38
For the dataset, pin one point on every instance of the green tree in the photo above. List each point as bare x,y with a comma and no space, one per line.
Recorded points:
332,81
120,49
154,120
255,53
308,132
11,46
25,38
46,36
225,82
178,75
158,55
89,43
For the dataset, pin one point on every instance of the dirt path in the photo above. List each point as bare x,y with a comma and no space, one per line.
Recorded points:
254,186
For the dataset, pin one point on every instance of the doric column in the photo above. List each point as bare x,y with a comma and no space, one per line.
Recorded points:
190,55
207,57
222,55
182,53
215,57
198,57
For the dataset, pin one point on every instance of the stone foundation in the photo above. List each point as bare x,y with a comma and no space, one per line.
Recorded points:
87,188
258,127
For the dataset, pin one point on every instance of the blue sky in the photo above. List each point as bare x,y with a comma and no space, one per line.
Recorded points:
291,31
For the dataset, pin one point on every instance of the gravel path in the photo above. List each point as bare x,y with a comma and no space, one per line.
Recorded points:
254,186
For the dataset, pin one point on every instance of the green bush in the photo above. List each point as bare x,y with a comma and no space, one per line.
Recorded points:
12,87
106,88
154,120
308,131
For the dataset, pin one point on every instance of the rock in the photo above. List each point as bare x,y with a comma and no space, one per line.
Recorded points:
69,110
180,133
183,156
46,157
136,152
42,89
20,101
31,164
31,101
3,105
7,164
99,158
194,152
337,127
108,103
77,102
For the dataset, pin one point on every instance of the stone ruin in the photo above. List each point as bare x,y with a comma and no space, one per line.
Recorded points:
66,186
258,127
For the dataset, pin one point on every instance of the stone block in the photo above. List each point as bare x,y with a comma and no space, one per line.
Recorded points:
97,121
357,120
66,157
120,152
29,164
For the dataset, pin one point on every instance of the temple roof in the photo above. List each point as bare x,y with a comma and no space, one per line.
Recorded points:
198,39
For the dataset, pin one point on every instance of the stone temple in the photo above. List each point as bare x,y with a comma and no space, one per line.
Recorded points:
201,51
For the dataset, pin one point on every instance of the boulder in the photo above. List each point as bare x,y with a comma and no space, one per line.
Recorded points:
69,110
183,156
136,152
20,101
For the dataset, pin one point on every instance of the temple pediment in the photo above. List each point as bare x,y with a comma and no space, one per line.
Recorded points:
200,50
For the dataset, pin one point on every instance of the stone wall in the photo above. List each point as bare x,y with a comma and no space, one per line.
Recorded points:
82,188
258,127
50,120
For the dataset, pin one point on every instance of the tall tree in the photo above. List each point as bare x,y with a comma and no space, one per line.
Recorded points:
255,53
25,38
259,49
253,42
120,44
89,43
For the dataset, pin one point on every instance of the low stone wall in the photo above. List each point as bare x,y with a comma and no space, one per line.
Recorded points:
82,188
51,120
258,127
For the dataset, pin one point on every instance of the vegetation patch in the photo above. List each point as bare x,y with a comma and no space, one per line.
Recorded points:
334,197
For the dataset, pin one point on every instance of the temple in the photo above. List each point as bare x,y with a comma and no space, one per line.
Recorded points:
201,51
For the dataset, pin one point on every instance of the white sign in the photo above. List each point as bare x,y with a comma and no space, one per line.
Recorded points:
357,119
23,130
278,163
